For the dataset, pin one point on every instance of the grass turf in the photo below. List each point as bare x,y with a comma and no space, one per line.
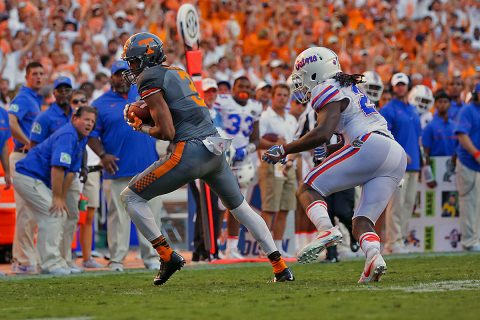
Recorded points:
415,287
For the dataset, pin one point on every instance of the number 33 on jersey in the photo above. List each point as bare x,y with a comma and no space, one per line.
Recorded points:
238,120
350,124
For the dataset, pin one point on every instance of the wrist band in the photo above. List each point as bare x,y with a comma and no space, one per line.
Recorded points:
102,154
476,154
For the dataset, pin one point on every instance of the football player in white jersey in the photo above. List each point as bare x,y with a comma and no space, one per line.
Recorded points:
240,116
421,97
372,86
370,158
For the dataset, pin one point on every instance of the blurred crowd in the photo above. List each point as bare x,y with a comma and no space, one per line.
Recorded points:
407,43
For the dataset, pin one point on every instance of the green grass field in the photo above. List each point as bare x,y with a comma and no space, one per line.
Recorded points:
415,287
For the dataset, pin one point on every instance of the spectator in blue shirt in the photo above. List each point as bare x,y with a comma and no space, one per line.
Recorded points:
438,138
46,123
23,110
468,171
57,115
118,146
454,90
43,177
404,123
4,135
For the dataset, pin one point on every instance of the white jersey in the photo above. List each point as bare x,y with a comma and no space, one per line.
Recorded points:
238,120
359,118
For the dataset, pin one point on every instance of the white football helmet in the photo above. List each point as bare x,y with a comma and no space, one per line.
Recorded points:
313,66
421,97
244,172
373,85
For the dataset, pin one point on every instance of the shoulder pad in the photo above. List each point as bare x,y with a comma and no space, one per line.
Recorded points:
325,92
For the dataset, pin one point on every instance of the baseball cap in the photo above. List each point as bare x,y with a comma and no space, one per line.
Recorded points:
119,65
120,14
400,78
262,84
62,81
276,63
209,83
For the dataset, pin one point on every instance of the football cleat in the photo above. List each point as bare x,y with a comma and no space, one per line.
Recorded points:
285,275
325,239
167,269
375,267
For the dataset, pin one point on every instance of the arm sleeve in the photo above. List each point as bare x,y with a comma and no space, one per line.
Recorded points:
39,129
63,151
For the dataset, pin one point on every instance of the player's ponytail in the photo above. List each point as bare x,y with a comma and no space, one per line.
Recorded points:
346,80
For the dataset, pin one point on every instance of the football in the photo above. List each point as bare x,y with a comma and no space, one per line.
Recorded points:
141,110
272,137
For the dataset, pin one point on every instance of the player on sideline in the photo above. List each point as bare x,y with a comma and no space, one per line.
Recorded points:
370,157
240,118
181,116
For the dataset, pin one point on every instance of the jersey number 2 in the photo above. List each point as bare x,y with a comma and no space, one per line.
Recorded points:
366,105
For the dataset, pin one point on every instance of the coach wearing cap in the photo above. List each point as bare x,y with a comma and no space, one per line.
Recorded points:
124,153
404,123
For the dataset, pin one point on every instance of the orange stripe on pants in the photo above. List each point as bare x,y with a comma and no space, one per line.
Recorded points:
164,168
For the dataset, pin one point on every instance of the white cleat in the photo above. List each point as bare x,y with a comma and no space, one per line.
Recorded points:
325,239
375,267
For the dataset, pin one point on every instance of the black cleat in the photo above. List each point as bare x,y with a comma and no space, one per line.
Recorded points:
167,269
285,275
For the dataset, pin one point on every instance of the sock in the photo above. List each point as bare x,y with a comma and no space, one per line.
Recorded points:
318,214
232,242
141,214
163,248
278,244
255,225
369,241
277,262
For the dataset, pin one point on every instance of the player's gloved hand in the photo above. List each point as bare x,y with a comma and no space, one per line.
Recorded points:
319,153
125,113
138,125
275,154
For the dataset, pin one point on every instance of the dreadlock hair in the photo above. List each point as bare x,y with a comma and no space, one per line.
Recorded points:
346,80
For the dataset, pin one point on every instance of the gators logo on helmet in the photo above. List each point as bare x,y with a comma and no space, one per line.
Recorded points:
142,50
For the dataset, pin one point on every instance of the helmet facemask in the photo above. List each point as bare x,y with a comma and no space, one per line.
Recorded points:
133,72
300,91
423,104
373,91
